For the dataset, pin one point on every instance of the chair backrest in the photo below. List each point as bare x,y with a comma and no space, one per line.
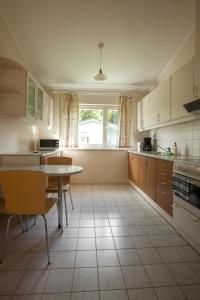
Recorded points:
58,160
23,191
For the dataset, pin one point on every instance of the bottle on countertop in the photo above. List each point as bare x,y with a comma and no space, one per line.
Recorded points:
175,149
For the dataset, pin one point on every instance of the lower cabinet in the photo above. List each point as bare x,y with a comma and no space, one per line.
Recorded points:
154,177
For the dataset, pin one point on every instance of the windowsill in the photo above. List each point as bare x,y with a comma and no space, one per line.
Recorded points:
96,148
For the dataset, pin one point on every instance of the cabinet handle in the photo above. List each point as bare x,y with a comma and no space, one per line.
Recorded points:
164,174
163,193
163,183
195,90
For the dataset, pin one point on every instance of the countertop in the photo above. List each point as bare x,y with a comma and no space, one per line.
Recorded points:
39,153
158,156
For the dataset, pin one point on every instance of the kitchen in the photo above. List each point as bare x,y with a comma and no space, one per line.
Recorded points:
141,242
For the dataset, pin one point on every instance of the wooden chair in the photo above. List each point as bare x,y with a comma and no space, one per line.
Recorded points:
24,194
53,180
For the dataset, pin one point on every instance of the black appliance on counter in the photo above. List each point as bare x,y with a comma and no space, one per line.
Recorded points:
146,145
49,144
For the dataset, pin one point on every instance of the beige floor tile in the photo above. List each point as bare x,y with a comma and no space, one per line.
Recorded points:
192,292
183,274
101,222
128,257
169,293
159,275
169,254
123,242
86,259
27,297
59,280
70,232
86,244
135,230
5,297
141,241
175,240
58,296
149,256
159,240
107,258
166,229
151,229
114,295
110,278
142,294
63,259
39,260
135,277
33,282
195,266
103,231
120,231
85,296
16,261
86,232
188,254
66,244
9,281
105,243
85,279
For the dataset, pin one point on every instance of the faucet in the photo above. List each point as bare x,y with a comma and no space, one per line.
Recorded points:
166,150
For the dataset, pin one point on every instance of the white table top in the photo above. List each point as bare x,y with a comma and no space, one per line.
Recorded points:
51,170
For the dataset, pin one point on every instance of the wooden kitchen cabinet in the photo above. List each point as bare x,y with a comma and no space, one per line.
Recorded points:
182,90
133,168
142,172
164,194
150,187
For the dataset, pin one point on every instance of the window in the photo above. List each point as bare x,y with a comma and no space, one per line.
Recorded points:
98,125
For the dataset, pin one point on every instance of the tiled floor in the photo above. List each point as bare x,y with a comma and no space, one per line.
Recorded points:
116,247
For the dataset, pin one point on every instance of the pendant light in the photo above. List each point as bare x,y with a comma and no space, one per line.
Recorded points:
100,75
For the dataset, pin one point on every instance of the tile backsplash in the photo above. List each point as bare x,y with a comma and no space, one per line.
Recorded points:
186,135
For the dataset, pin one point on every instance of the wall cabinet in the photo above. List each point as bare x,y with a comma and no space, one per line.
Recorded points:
145,112
182,89
21,96
197,75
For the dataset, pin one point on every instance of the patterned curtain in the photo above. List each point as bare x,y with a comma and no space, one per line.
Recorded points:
126,124
68,120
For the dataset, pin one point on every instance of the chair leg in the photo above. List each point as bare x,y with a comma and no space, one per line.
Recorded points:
59,214
34,222
65,202
71,198
27,222
21,223
5,238
46,238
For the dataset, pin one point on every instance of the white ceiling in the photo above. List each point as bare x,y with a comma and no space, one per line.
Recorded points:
59,39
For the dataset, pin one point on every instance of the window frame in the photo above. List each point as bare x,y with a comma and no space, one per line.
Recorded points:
105,109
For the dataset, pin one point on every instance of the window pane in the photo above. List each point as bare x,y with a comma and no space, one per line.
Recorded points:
91,126
112,119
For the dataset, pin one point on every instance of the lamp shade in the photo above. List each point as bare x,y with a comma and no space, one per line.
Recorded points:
100,75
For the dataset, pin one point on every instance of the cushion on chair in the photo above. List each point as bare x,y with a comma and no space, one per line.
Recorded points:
55,189
50,203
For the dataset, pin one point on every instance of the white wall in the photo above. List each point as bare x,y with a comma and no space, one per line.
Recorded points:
15,135
100,166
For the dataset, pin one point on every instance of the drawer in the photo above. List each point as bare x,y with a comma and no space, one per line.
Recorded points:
163,184
162,176
164,199
165,165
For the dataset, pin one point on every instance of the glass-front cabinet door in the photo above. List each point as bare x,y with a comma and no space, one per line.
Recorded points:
31,93
39,104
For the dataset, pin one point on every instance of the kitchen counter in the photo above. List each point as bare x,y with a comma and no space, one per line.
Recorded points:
158,156
39,153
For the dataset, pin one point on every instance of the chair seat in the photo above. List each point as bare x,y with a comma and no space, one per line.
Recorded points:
55,189
48,205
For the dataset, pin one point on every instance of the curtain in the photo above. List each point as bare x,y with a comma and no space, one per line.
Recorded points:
126,123
68,120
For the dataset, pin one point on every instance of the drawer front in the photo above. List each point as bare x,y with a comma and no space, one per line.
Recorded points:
164,176
165,165
164,199
163,185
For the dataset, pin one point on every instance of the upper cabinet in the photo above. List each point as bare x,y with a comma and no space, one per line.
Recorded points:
165,103
21,96
182,89
145,112
197,75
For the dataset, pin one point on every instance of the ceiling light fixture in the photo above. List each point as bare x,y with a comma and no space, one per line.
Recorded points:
100,75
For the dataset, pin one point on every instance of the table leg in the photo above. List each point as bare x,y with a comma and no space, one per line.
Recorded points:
60,201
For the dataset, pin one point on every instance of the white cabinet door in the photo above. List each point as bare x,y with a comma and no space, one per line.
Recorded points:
182,90
39,103
139,115
145,111
30,98
197,75
163,102
153,102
